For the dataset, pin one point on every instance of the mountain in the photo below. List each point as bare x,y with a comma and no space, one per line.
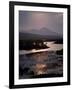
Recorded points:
44,31
31,36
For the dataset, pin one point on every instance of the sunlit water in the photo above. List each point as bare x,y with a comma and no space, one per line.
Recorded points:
44,61
52,47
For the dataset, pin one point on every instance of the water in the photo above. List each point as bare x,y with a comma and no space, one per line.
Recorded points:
52,47
41,62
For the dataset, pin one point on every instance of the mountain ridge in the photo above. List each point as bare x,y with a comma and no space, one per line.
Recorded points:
30,36
43,31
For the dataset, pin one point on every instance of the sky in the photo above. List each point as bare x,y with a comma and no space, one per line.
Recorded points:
36,20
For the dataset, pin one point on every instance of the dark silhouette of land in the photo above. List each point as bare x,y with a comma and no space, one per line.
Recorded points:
28,45
28,41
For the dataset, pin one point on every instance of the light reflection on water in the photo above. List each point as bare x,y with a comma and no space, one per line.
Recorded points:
40,57
42,63
45,62
40,69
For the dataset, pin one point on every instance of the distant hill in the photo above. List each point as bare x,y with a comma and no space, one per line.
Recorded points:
43,33
30,36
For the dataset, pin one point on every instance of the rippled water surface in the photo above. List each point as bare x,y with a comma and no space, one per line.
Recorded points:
35,63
